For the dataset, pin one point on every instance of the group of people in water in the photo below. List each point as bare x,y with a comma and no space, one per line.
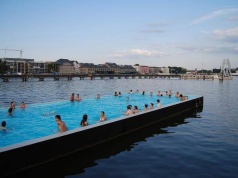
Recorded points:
62,126
73,98
10,112
135,109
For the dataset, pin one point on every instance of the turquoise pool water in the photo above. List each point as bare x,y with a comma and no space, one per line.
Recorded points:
29,123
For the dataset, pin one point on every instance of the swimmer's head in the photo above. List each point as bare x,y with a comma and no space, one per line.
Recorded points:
58,117
4,123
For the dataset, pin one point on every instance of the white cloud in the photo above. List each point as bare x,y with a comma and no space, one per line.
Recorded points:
136,53
209,49
229,35
214,14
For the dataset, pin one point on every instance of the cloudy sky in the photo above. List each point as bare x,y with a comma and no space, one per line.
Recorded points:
186,33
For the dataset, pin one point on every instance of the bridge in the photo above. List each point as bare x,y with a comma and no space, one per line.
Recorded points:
41,77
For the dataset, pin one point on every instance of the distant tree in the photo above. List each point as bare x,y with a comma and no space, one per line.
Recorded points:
3,67
137,65
216,70
53,67
177,70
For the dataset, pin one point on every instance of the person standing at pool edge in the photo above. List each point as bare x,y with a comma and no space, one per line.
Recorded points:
61,125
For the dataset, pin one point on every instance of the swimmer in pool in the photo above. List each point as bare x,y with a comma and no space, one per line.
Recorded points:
78,98
49,114
102,116
22,105
12,105
61,125
3,126
151,105
146,107
84,120
10,111
135,110
128,111
71,97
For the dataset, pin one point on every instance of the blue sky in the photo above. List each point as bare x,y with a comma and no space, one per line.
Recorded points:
186,33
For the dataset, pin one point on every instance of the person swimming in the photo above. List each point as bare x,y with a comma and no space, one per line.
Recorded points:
10,111
135,110
61,125
78,98
84,120
49,114
71,97
146,107
12,105
102,116
3,126
128,111
22,105
159,105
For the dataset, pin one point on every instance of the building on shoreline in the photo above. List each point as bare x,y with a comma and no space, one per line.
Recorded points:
65,66
24,66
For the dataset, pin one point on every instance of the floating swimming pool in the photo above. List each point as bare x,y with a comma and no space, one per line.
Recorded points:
30,123
20,156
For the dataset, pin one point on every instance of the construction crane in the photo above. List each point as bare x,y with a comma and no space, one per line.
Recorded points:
13,50
22,67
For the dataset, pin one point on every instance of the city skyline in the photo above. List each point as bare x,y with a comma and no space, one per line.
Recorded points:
189,34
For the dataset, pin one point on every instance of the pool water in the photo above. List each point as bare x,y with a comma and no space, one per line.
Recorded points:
30,123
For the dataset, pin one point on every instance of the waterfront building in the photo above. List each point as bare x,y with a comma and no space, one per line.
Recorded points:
137,67
76,67
114,67
65,66
144,70
127,69
37,67
18,65
91,68
154,70
165,70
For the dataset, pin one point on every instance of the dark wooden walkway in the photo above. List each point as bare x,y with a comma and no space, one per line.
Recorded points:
41,77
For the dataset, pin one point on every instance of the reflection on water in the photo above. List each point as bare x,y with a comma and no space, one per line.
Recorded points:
75,164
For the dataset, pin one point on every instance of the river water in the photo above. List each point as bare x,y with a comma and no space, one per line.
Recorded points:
204,144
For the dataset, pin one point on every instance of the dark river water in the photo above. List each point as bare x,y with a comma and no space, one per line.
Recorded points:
202,144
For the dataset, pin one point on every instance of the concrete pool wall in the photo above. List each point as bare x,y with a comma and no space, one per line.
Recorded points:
30,153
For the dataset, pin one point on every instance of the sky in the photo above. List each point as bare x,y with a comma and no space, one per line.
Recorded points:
184,33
